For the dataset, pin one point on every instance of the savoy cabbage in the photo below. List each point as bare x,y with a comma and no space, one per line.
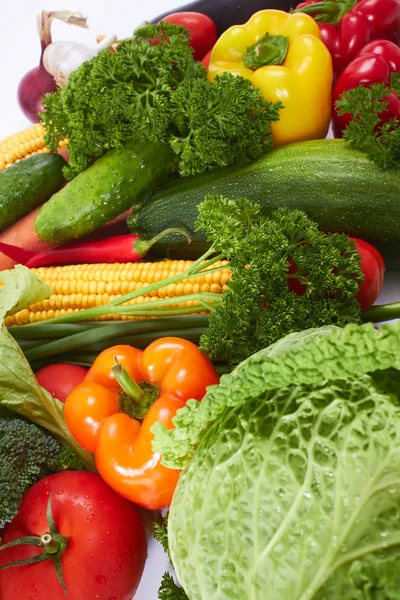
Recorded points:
291,482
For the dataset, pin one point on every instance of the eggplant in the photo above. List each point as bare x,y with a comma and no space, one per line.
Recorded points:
226,13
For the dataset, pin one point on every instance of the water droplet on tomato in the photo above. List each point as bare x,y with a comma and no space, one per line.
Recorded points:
100,579
90,517
87,496
60,492
89,539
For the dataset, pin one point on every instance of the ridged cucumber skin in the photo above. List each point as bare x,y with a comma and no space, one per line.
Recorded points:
340,188
27,184
104,191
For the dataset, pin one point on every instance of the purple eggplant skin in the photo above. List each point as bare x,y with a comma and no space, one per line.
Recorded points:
226,13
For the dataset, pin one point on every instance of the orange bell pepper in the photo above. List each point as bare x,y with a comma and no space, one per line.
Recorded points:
122,444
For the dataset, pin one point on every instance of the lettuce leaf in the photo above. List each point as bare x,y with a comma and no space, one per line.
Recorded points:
291,486
19,389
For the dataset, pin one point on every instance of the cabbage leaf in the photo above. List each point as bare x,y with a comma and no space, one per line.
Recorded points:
291,486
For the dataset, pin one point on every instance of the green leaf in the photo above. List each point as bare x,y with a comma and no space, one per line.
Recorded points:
169,590
22,288
19,389
365,131
307,358
294,493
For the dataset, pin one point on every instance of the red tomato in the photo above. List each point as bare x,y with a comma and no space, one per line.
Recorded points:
60,379
373,268
107,546
203,31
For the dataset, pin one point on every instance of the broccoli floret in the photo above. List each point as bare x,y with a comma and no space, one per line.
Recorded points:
27,454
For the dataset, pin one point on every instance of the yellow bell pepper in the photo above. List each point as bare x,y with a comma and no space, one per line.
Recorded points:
283,55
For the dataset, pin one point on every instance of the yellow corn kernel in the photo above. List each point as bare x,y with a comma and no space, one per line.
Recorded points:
25,143
78,287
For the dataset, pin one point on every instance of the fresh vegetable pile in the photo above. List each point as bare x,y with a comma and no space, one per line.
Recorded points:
188,279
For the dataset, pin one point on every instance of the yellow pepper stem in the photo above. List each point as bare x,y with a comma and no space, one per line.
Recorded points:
269,50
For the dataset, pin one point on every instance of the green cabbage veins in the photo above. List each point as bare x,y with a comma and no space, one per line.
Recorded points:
291,487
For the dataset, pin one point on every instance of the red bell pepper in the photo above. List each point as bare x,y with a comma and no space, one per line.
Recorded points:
378,62
347,25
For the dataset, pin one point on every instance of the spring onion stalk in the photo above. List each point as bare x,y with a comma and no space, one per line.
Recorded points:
90,342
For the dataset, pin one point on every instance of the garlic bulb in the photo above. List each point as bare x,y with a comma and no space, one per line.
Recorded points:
61,58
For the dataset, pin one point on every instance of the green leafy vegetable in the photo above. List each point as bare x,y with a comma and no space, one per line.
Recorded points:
27,454
266,255
19,389
291,486
169,590
364,132
160,533
158,92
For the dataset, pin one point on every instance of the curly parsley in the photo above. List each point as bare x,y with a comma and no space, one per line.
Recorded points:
286,276
365,132
157,92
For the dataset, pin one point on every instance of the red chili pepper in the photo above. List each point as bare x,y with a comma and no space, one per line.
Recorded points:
347,25
376,63
121,248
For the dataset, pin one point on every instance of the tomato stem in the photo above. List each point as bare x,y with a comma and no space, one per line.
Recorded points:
53,545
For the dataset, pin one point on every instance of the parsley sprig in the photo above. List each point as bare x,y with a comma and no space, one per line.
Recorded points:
287,276
365,132
152,89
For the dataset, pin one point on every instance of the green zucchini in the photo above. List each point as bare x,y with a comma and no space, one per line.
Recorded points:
27,184
104,191
340,188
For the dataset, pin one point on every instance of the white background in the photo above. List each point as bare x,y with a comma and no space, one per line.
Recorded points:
20,51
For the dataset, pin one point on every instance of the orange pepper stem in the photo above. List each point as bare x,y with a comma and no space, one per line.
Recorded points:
135,399
269,50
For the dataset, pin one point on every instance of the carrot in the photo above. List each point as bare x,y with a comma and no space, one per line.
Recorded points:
22,234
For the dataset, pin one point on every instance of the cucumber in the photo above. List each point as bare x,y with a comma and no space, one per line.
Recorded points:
104,191
27,184
338,187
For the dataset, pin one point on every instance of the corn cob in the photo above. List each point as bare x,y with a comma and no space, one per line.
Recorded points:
23,144
77,287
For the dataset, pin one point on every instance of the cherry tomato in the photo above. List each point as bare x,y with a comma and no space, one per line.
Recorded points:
107,546
60,379
203,31
373,268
